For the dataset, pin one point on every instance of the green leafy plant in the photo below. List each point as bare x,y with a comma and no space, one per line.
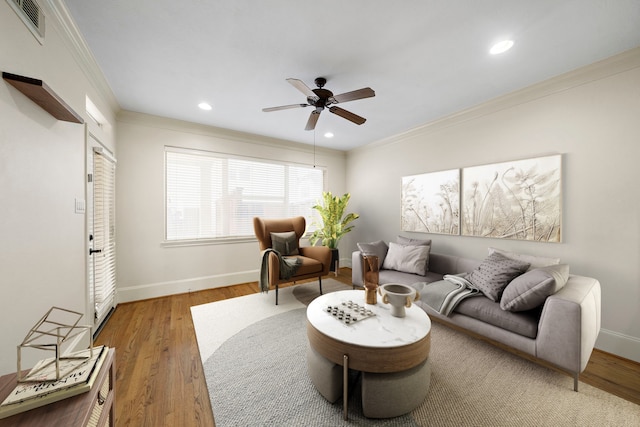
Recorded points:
335,223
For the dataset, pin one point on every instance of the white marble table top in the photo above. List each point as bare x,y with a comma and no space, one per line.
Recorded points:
379,331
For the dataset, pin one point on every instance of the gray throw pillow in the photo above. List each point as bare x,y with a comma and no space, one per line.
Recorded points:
495,273
378,249
531,289
409,241
407,259
286,243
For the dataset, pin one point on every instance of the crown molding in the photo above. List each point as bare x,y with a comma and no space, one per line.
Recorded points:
158,122
620,63
69,31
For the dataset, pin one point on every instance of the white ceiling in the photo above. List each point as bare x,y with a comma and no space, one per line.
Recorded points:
425,59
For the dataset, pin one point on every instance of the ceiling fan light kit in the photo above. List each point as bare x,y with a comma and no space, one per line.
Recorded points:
321,98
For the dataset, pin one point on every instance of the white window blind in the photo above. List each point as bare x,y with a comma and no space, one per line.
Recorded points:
213,196
104,235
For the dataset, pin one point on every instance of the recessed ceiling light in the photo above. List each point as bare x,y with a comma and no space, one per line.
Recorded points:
204,106
328,135
501,47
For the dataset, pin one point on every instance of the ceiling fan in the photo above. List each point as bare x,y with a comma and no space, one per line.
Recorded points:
321,98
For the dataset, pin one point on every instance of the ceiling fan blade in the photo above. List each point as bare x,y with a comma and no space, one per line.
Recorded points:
366,92
299,84
348,115
284,107
313,119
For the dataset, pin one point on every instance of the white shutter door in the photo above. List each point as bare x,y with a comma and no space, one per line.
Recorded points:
104,236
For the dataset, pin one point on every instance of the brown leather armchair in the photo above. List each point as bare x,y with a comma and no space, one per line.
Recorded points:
316,260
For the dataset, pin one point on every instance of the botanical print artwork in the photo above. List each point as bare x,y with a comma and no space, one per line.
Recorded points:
513,200
431,202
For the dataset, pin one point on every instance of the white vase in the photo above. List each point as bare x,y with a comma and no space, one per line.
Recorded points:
398,296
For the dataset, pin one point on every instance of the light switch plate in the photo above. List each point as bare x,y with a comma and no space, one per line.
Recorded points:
80,206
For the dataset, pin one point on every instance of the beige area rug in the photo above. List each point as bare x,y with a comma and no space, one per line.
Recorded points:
218,321
253,354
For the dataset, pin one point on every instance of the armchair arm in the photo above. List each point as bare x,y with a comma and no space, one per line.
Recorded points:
320,253
274,269
570,323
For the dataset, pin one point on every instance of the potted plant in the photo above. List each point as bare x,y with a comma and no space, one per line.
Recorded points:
335,223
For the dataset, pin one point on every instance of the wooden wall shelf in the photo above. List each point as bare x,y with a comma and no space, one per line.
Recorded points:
44,96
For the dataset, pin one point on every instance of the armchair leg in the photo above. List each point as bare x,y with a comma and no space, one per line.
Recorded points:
320,281
276,294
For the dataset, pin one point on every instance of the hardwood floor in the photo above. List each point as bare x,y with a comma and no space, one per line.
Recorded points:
159,377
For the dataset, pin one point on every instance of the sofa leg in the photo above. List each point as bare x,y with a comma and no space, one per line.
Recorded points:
575,382
320,281
276,294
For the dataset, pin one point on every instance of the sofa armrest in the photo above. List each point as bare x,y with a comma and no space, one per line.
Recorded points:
570,323
356,269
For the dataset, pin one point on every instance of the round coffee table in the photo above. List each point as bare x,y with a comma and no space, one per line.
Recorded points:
386,349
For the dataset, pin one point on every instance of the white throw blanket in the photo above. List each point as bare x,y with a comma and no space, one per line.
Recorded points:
444,295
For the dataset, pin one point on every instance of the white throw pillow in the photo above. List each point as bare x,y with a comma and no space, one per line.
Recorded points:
407,259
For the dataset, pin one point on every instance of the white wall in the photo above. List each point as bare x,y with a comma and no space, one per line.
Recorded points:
146,267
42,169
591,117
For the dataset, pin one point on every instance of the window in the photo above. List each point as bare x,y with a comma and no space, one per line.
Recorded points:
216,196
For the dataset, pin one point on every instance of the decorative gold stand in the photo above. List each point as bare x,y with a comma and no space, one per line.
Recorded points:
51,332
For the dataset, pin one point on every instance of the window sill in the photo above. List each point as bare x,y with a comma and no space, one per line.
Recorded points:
213,242
207,242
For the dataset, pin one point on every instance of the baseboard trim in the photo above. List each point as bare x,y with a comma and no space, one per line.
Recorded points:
619,344
161,289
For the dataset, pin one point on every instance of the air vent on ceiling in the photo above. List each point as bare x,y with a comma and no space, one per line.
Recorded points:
31,14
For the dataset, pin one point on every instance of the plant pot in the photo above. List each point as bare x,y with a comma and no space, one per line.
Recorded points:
335,260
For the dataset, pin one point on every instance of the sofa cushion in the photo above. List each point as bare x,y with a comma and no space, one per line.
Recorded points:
286,243
495,273
408,259
308,266
378,249
522,323
533,260
533,287
409,241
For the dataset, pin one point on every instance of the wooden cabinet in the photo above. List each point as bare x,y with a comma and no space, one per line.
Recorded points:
95,408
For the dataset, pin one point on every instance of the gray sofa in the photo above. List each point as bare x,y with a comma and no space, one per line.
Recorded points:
561,331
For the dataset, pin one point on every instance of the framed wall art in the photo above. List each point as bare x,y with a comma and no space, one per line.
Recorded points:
431,202
514,200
